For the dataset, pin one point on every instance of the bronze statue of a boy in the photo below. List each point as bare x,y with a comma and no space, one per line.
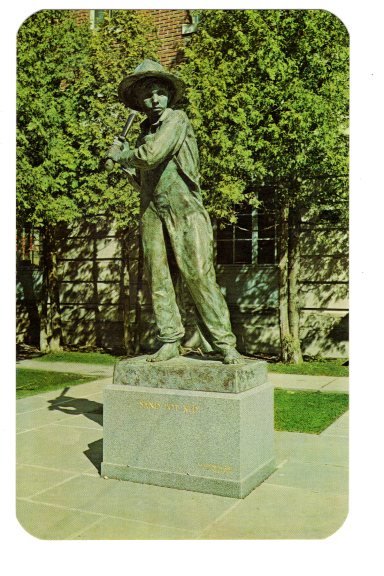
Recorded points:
166,162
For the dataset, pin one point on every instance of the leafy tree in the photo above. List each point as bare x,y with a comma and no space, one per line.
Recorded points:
268,97
67,115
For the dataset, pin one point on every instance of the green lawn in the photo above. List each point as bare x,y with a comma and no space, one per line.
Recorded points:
80,357
29,382
309,412
332,367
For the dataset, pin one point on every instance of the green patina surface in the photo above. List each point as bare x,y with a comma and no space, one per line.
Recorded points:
176,230
185,373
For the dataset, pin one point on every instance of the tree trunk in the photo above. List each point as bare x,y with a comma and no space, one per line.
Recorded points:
95,289
289,266
43,309
50,335
283,236
293,289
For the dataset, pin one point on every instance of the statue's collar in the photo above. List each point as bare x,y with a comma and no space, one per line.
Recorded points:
147,124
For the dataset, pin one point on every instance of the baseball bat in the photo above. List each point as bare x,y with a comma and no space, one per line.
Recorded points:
109,163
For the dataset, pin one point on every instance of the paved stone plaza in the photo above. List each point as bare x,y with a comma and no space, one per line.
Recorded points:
60,494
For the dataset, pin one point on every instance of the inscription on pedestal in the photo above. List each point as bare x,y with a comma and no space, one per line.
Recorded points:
218,468
181,408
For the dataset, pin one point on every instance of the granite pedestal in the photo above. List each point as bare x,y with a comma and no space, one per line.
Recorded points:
190,424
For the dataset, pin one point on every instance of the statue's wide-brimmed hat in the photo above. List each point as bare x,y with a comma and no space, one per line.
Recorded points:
148,69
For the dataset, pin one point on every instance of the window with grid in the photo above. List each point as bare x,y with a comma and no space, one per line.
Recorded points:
234,242
266,227
252,240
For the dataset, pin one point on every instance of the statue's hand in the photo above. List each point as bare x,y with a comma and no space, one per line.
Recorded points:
115,150
119,151
126,153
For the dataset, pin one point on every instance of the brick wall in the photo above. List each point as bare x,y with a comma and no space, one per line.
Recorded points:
168,25
169,30
82,16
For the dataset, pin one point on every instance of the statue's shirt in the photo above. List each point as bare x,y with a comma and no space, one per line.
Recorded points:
167,159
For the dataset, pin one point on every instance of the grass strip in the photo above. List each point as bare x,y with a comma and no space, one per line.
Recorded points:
307,412
312,368
30,381
80,358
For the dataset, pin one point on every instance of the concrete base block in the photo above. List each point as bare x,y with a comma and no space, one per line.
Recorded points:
214,442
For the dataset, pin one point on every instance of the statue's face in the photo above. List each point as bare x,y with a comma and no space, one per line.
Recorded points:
154,98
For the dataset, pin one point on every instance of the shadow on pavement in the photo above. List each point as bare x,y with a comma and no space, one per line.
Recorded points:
95,453
76,406
89,408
